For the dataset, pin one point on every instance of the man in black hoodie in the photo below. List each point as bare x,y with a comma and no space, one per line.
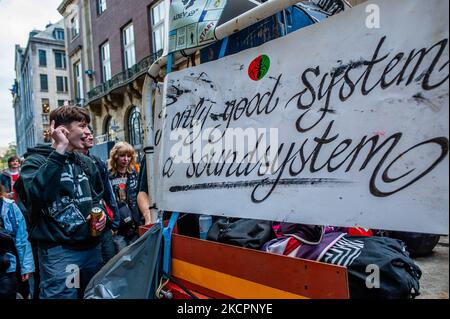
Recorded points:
63,187
112,226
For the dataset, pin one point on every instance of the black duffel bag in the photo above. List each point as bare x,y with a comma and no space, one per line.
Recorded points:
398,275
418,245
7,246
247,233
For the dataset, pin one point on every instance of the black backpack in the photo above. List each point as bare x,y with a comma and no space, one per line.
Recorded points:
7,244
247,233
399,275
417,244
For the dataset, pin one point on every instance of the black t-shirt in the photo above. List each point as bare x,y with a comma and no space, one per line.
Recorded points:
125,187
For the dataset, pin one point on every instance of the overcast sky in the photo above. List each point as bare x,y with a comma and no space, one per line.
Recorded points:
17,19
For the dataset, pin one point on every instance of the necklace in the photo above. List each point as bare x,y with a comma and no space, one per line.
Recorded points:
122,175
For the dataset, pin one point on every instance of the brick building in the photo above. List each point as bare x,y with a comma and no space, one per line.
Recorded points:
111,44
78,45
41,84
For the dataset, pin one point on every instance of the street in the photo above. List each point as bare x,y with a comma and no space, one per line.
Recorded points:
434,283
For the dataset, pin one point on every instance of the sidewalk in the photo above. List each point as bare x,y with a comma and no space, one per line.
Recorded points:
434,283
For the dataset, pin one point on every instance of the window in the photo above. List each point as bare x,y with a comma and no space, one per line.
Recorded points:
157,15
106,62
42,58
45,119
58,34
61,84
101,6
75,29
78,75
45,106
60,60
45,112
44,82
61,103
128,45
110,129
134,127
47,136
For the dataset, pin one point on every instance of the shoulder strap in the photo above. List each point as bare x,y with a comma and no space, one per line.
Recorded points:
82,160
86,165
101,165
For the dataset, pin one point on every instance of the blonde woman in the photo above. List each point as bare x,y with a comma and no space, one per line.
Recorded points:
124,180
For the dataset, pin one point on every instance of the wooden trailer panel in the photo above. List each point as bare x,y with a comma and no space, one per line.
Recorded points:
224,271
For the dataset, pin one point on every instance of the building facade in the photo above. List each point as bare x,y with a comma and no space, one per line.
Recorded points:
110,45
41,84
116,43
77,22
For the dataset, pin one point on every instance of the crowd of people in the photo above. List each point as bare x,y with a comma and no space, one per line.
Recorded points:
64,212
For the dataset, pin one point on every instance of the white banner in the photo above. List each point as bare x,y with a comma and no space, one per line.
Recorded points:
342,123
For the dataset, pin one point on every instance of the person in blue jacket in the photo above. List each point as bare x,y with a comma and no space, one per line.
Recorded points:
13,229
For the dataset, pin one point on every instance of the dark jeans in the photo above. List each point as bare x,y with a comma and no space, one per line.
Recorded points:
108,248
65,273
8,285
35,279
120,242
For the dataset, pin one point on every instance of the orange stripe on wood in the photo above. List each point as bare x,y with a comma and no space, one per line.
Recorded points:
296,276
225,284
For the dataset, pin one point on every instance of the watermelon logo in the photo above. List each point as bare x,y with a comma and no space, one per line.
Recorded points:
259,68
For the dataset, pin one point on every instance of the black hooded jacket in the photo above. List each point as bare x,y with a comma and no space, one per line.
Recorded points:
75,178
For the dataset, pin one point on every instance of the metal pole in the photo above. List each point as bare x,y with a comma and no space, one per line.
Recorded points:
252,16
147,102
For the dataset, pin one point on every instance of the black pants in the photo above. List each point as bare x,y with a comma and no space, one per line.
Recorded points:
108,248
36,276
8,285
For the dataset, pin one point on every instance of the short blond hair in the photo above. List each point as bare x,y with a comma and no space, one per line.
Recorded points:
120,149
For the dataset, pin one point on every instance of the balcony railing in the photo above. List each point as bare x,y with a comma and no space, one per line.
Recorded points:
102,139
78,102
109,137
123,78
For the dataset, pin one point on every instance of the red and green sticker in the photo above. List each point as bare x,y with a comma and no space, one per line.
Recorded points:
259,67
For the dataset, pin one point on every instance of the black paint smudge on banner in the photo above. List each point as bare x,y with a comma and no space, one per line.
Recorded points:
261,183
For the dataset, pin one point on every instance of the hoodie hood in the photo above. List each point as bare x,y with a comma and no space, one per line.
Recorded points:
7,172
39,149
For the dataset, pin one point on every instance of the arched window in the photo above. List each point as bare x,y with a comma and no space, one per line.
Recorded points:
135,134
